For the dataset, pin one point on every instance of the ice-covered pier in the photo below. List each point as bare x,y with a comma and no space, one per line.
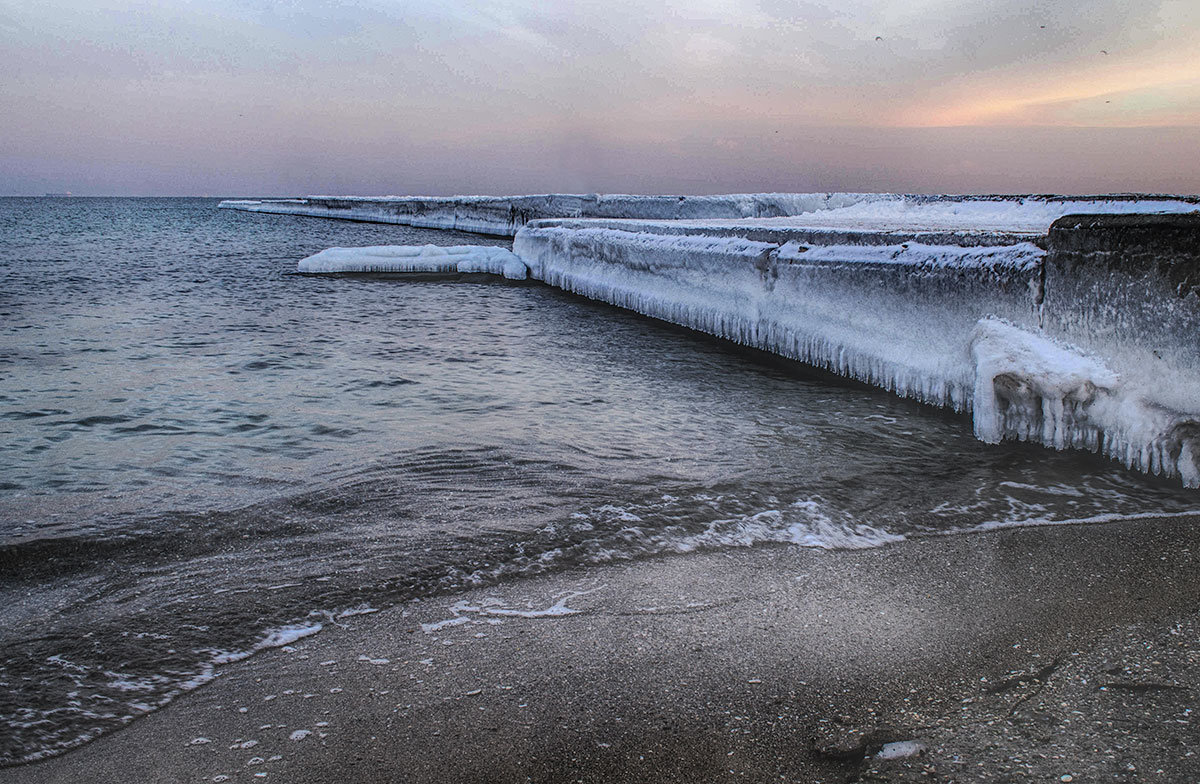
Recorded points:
505,215
1069,321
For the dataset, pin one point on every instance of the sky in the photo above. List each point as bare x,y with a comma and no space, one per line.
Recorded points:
373,97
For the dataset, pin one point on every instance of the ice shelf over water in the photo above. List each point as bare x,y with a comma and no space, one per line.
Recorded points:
417,258
1067,321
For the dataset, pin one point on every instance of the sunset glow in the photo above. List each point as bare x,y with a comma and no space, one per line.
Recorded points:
512,95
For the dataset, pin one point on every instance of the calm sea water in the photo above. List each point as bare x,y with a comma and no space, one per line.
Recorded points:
199,448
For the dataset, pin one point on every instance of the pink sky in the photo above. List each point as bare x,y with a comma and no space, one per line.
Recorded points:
243,97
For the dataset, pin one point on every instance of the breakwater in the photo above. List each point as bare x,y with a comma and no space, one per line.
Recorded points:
505,215
1067,321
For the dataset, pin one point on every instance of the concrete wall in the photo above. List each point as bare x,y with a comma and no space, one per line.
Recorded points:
1078,332
1088,337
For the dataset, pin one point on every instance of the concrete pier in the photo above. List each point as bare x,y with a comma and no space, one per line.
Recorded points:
505,215
1069,321
1080,334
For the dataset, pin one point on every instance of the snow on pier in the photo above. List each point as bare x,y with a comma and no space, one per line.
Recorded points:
505,215
1067,321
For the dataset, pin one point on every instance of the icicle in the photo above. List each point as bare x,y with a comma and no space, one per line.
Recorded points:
417,258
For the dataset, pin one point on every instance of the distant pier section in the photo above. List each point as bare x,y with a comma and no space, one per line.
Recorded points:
1069,321
505,215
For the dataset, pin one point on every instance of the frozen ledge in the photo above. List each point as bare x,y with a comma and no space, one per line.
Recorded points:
1071,322
505,215
1080,334
416,258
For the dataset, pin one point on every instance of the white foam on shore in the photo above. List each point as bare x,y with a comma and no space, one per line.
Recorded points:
617,532
492,609
1039,522
437,626
276,638
205,673
806,522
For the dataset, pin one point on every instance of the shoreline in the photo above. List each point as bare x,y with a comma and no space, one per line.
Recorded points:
769,663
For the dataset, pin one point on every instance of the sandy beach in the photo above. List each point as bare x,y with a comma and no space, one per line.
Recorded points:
1028,654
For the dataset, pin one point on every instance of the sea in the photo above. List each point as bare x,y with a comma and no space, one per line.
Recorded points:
204,454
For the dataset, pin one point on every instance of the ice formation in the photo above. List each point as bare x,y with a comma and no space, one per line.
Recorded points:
417,258
1032,215
1035,389
1096,352
504,215
1074,332
1031,388
894,316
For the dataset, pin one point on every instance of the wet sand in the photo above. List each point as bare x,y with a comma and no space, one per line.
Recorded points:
1045,654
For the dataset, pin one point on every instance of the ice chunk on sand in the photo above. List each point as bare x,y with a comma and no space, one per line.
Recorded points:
276,638
900,750
417,258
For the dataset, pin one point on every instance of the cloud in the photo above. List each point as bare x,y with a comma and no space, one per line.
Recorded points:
571,80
